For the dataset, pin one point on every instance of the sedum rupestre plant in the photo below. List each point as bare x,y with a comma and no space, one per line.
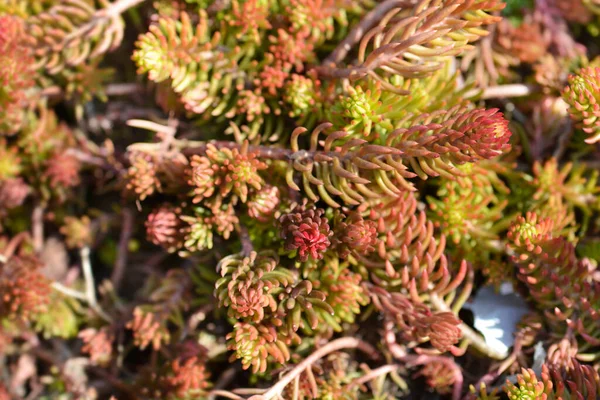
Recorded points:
298,199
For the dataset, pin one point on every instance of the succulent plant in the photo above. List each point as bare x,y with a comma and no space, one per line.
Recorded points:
582,96
311,191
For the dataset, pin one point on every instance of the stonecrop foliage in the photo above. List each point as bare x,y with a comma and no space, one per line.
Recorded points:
298,199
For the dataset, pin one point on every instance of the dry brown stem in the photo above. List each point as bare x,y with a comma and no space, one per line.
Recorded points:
338,344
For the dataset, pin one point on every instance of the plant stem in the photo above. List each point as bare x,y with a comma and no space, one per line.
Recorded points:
506,91
477,341
120,6
37,229
121,262
223,393
13,244
369,376
358,32
68,291
247,246
112,89
224,380
564,138
338,344
116,382
247,391
191,147
90,286
86,265
151,126
103,16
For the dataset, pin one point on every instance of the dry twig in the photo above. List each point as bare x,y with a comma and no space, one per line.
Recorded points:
338,344
121,262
